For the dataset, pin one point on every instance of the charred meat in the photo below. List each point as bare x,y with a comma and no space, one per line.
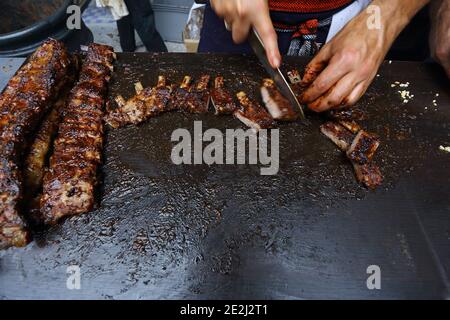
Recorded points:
180,96
363,147
221,99
347,114
197,100
69,183
278,106
145,104
252,114
23,104
366,172
338,134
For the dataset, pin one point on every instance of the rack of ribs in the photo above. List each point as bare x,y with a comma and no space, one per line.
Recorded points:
252,114
359,148
147,103
70,181
278,106
23,104
221,98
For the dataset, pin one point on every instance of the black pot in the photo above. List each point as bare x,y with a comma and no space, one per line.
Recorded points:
23,41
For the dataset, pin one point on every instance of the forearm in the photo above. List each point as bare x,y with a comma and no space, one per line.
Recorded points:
395,15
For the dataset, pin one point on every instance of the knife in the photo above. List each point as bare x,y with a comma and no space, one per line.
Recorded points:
280,81
258,47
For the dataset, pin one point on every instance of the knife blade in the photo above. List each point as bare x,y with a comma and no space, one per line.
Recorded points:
277,76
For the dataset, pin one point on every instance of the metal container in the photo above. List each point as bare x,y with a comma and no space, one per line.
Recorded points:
24,25
171,17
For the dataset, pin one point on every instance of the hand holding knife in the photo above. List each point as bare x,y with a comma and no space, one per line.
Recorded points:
277,76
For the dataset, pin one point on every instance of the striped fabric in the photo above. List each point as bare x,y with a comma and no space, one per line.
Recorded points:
306,6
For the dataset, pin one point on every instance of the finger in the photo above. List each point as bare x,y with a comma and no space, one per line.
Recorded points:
264,27
335,95
356,94
240,30
331,75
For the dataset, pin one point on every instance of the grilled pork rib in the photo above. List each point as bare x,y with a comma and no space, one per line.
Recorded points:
180,96
69,183
221,99
278,106
146,103
252,114
23,104
366,172
198,98
363,147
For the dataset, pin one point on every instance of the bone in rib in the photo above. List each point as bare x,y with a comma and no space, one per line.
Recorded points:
147,103
278,106
252,114
198,98
363,145
221,99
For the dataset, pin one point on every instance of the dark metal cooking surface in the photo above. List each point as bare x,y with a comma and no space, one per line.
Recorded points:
166,231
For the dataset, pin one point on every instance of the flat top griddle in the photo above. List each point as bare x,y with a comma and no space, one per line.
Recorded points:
224,231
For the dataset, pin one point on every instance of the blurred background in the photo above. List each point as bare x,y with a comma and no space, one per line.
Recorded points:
25,24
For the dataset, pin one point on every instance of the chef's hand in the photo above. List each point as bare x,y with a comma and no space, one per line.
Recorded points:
440,33
344,68
241,15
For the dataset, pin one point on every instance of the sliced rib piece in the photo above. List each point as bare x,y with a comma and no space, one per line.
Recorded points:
23,104
147,102
368,173
278,106
252,114
363,147
69,184
180,96
338,134
350,125
221,99
198,98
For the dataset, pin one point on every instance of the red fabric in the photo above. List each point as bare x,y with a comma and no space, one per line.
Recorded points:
306,6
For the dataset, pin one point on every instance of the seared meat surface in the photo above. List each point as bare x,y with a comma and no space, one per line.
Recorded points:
363,146
145,104
197,100
69,184
278,106
181,94
338,134
23,104
252,114
221,99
